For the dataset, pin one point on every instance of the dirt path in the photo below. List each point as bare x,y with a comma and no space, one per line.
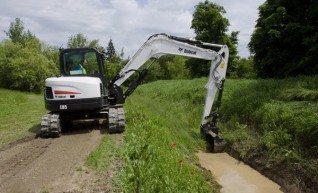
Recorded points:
235,176
50,165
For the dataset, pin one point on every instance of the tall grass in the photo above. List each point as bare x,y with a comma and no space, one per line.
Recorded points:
278,117
285,118
160,142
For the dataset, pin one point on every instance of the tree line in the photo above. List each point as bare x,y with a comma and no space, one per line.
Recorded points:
283,44
285,39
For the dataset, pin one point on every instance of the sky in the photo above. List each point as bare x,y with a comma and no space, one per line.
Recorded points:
128,23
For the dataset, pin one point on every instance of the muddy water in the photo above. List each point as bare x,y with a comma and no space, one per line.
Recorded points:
235,176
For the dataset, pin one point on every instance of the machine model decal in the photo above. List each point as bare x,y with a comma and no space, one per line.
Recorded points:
63,107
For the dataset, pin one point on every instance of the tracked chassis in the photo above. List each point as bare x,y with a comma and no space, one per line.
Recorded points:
52,123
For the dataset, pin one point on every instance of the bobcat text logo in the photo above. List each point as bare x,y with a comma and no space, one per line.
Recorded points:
190,52
187,51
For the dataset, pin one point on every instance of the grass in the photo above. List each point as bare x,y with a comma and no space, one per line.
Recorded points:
20,114
160,143
275,118
284,121
101,157
159,148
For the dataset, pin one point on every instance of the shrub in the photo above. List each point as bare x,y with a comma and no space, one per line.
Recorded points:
24,68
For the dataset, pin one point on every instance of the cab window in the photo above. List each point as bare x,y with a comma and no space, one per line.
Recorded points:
80,63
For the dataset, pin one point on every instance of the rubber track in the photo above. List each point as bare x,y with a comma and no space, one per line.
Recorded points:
50,125
116,120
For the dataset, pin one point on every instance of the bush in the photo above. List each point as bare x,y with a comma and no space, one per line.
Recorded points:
245,68
24,67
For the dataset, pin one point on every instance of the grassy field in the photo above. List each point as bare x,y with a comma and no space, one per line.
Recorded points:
20,114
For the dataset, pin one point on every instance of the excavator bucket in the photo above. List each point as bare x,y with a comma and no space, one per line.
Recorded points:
215,143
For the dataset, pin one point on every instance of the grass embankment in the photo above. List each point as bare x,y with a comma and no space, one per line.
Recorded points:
161,139
20,114
275,120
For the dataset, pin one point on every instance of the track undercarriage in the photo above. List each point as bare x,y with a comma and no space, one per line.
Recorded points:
52,123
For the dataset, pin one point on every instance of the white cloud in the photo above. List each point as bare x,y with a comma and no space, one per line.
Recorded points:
242,16
128,22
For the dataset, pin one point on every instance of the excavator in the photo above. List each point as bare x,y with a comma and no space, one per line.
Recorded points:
88,93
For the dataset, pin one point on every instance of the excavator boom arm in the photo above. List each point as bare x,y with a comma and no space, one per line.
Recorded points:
162,44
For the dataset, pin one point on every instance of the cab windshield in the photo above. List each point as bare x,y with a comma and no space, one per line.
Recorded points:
80,62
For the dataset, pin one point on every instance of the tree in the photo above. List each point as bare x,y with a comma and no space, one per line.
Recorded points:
22,63
154,73
114,65
232,41
163,65
50,52
24,67
245,68
114,61
285,40
17,34
110,50
210,26
208,22
81,41
177,68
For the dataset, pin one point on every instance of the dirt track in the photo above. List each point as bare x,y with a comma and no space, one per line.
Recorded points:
50,165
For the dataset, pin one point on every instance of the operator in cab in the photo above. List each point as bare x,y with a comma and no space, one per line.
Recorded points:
82,66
